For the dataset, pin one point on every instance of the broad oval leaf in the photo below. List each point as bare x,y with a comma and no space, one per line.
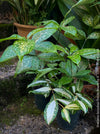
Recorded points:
8,54
62,92
65,115
23,47
37,83
46,47
33,63
41,34
51,111
43,90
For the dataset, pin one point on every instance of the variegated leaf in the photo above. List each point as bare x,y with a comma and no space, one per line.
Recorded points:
50,111
65,115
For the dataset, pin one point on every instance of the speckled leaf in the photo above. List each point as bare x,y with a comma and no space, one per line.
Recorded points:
94,35
42,91
63,92
65,115
88,20
41,34
28,63
8,54
12,37
37,83
75,58
46,47
51,111
22,47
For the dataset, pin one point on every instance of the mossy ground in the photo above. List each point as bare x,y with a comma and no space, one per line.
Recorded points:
24,105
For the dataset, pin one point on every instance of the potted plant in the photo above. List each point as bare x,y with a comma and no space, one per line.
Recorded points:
28,13
60,70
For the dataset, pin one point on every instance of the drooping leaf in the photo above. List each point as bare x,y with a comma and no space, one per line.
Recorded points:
43,90
8,54
12,37
62,92
23,47
46,47
37,83
65,115
28,63
50,111
85,100
83,106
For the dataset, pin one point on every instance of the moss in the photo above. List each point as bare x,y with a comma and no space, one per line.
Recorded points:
23,106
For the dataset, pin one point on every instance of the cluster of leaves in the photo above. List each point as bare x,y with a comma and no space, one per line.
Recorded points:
87,15
60,70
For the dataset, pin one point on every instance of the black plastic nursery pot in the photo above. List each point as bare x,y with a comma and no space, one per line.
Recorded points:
41,101
64,124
